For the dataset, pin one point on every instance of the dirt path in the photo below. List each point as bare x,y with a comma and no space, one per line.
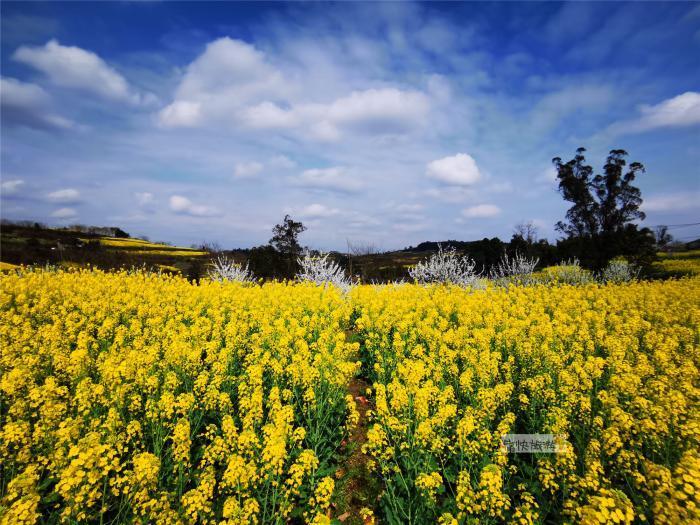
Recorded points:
356,487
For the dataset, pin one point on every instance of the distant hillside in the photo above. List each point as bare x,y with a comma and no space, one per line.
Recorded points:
82,246
693,245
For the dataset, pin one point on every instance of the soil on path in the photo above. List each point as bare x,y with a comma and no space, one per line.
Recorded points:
356,486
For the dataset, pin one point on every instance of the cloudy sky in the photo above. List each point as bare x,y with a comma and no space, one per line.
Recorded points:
386,123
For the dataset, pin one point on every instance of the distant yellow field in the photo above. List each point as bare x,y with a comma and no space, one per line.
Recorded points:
690,254
176,252
147,247
681,263
7,266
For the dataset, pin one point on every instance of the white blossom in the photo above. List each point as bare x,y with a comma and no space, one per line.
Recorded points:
225,269
320,270
518,268
447,267
619,271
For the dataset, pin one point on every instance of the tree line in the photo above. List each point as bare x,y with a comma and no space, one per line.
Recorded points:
599,226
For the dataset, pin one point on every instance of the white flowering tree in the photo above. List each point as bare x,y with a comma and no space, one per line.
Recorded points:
320,270
447,267
569,272
619,271
516,268
225,269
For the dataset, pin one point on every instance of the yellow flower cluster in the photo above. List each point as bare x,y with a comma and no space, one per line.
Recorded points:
132,397
611,370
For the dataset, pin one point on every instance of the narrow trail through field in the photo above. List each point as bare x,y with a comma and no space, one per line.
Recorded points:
357,487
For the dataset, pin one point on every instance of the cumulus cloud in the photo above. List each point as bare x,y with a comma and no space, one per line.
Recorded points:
481,211
26,104
234,83
457,170
387,110
317,211
11,188
74,67
332,179
227,77
65,196
64,213
246,170
184,206
679,111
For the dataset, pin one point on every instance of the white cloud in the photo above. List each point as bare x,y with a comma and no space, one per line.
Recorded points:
230,67
324,131
10,188
143,198
26,104
66,196
226,78
246,170
18,93
232,83
333,179
458,170
315,211
387,110
671,202
184,206
74,67
481,211
678,111
181,113
270,116
64,213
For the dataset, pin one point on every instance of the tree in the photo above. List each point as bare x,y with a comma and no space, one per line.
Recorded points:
285,239
527,231
663,238
599,225
266,262
360,249
524,238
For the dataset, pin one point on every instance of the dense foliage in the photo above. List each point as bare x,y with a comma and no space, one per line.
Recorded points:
600,222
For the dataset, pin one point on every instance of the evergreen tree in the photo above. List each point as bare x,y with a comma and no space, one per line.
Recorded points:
599,225
285,240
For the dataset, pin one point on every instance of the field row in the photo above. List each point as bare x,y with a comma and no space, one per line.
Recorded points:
132,397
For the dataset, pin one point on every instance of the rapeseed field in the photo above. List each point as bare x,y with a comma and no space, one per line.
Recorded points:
131,397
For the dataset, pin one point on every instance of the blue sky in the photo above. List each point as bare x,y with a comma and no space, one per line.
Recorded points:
385,123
